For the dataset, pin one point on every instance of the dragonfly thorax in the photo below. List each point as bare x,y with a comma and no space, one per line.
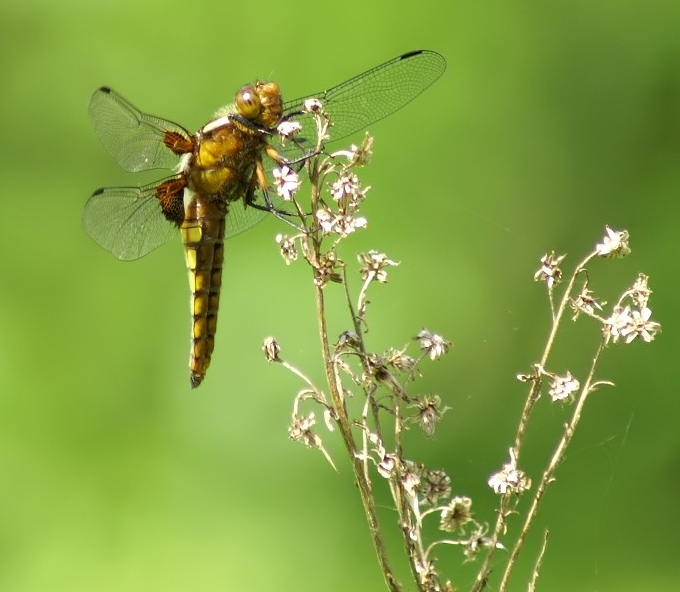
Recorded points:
223,160
226,148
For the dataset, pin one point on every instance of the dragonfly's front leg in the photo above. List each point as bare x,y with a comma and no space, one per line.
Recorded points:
258,181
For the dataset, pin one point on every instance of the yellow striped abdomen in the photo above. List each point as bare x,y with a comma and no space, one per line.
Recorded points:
203,236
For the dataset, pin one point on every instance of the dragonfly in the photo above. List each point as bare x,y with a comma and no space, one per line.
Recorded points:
229,160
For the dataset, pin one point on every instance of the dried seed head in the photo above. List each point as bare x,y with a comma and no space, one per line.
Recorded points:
434,345
585,303
271,349
640,292
434,485
549,272
373,266
429,412
456,514
301,430
287,247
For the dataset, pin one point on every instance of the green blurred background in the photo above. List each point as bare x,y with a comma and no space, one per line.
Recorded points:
552,120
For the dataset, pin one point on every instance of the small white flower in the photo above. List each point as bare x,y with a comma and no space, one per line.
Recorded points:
326,220
348,192
614,244
345,225
312,106
289,128
346,185
342,225
286,182
373,266
616,322
288,248
629,324
563,387
510,479
639,325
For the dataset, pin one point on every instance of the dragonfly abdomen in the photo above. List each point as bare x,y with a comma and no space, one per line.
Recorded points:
203,237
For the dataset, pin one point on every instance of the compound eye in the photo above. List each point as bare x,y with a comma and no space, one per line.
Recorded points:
248,103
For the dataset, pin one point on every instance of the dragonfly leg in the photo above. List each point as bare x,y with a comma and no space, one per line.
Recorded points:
259,181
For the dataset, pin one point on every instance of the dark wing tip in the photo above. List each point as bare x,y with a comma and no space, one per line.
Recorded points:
410,54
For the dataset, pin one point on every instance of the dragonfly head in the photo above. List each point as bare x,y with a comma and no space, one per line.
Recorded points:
260,103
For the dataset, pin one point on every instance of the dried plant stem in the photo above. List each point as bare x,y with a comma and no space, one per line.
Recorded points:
539,561
484,571
313,249
388,410
361,476
532,397
362,481
549,473
414,549
536,385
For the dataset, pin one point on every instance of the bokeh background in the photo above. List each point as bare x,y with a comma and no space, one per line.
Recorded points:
552,120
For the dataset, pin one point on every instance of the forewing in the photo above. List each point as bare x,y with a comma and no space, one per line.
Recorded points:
373,95
133,138
127,221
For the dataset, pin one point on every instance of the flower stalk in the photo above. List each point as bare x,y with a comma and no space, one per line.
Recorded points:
373,434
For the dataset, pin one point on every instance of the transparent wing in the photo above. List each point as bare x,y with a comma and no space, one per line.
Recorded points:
240,218
133,138
373,95
127,221
360,101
